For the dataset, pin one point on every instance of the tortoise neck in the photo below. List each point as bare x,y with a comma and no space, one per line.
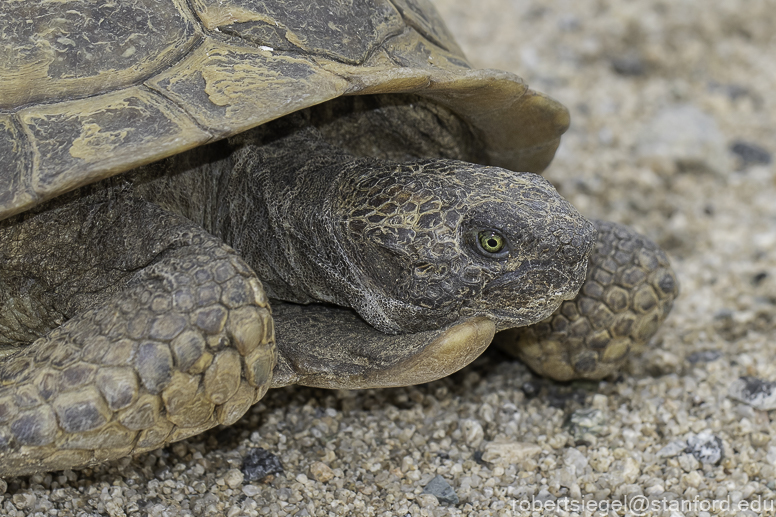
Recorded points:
276,214
192,184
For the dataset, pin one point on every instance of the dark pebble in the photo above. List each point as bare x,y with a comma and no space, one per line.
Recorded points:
259,463
530,389
759,277
630,65
563,396
441,489
750,154
704,356
732,91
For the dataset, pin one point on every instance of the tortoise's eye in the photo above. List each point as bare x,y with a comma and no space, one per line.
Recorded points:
491,241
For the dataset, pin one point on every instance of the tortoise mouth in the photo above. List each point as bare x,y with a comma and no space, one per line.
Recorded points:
528,295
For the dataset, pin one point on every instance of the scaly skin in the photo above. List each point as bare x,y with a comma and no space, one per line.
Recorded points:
179,340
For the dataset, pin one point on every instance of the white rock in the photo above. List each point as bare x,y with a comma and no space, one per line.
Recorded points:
755,392
630,470
572,457
473,433
233,478
509,453
674,448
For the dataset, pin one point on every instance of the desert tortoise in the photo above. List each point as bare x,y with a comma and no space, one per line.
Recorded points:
128,319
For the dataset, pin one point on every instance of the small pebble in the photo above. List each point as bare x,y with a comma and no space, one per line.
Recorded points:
442,490
584,423
251,490
259,463
704,356
530,389
473,433
23,500
629,64
674,448
509,453
574,458
706,447
321,472
233,478
687,137
750,154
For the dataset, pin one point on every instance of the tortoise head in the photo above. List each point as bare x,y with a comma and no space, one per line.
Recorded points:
436,241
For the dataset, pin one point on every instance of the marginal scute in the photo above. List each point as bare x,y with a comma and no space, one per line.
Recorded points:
78,142
411,50
422,16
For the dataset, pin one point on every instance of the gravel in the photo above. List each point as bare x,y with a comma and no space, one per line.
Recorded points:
667,430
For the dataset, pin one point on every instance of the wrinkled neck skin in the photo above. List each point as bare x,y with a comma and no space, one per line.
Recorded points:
280,218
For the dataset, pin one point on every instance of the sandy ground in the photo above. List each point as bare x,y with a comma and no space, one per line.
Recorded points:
659,93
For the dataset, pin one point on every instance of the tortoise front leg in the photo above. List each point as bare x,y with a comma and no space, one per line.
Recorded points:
169,334
628,292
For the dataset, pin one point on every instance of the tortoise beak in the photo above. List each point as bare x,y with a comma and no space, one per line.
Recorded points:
450,351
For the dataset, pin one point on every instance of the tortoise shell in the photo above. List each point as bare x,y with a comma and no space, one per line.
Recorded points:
89,89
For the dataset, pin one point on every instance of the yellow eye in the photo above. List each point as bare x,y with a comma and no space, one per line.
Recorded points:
491,241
